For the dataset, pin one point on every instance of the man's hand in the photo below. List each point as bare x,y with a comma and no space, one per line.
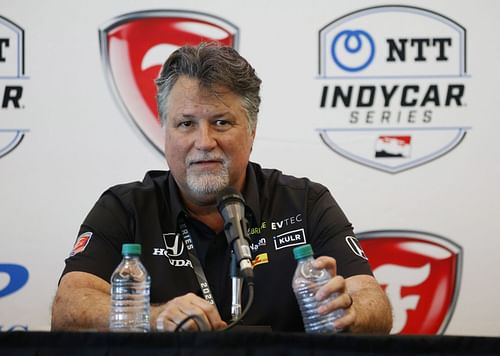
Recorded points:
83,302
367,308
337,284
168,316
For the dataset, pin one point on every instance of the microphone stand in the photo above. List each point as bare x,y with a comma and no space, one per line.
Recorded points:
236,284
231,206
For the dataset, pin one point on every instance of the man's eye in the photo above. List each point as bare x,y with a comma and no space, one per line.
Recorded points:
221,122
185,124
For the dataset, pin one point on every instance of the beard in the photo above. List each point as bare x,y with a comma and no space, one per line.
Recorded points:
208,182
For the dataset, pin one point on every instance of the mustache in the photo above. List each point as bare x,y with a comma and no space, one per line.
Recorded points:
199,157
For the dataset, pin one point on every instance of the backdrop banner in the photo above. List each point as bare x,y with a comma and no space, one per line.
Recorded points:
391,106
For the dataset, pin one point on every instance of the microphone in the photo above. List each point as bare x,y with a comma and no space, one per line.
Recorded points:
236,284
231,206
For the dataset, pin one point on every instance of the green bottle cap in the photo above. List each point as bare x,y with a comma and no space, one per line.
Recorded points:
302,251
131,249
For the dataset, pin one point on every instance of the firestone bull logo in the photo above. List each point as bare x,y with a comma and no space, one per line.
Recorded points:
134,46
421,275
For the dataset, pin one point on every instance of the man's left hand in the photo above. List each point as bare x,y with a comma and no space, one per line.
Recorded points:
337,284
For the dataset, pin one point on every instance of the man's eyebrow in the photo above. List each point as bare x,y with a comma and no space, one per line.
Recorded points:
222,113
183,116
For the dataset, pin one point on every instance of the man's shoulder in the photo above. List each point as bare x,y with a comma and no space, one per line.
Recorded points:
272,179
150,184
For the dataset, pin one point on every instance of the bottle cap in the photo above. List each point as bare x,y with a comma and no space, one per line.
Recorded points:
131,249
302,251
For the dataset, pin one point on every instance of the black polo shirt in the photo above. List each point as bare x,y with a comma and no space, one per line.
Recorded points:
282,212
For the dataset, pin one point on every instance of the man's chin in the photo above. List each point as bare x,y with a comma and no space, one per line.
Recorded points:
207,188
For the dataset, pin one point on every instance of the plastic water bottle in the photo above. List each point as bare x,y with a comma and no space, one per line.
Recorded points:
130,285
306,282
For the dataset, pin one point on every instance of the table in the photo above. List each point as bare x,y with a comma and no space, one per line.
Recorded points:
239,343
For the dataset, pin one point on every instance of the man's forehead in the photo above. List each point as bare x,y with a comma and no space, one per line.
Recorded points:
202,89
192,90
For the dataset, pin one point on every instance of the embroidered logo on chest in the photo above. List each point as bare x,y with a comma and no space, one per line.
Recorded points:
174,248
289,239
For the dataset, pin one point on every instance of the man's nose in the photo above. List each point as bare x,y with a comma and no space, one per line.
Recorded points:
205,138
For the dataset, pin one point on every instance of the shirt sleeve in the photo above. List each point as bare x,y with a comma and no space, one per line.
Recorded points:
97,249
331,234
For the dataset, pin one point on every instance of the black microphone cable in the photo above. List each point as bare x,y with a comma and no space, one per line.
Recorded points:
202,325
231,204
250,286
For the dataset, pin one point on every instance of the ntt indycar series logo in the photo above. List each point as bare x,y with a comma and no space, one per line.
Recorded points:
13,278
392,97
12,76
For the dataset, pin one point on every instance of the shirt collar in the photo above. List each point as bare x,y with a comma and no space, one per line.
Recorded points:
250,194
174,200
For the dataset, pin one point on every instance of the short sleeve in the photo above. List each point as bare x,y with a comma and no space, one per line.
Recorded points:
332,235
97,249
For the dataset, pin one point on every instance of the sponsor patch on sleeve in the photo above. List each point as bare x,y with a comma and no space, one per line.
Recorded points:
355,246
81,243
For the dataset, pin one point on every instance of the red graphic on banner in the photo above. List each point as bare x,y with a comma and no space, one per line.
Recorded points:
393,146
421,275
135,46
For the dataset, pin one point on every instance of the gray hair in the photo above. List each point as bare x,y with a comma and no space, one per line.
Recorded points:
211,64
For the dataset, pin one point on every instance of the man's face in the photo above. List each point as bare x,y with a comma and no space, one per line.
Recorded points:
207,140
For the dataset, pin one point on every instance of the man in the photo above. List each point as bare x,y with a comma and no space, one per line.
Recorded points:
208,100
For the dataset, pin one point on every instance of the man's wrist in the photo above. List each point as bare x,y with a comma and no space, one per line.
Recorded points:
155,310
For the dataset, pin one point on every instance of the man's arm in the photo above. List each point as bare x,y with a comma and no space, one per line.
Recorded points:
371,305
82,302
370,309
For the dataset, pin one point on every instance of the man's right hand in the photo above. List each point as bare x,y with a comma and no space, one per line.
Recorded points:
168,316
